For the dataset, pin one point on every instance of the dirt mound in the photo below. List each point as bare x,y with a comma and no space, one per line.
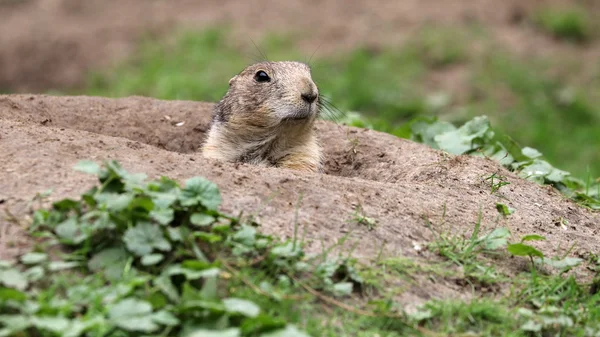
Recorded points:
398,183
50,44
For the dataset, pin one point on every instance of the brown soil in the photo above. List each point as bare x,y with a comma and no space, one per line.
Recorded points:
398,183
52,44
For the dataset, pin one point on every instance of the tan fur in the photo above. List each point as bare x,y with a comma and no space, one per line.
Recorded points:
268,123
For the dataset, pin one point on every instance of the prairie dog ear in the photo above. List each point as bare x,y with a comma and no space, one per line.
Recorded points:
232,79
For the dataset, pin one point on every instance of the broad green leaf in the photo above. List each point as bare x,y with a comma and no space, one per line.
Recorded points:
520,249
62,265
191,274
77,326
34,274
246,235
142,203
467,137
165,318
200,219
6,264
133,315
424,131
55,324
13,278
199,190
174,233
88,166
261,323
65,205
143,238
164,200
70,231
231,332
117,202
210,288
496,239
289,331
213,306
540,170
34,258
286,250
531,153
240,306
198,265
9,294
208,237
504,210
342,289
163,282
15,323
567,262
532,237
532,326
163,216
110,261
151,259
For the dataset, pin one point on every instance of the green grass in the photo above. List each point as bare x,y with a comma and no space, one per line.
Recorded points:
569,23
132,257
389,86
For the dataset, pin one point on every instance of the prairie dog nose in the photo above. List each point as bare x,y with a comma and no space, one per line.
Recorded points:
308,91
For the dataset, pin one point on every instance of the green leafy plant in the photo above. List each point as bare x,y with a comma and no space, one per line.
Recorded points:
568,23
496,181
522,249
478,138
142,258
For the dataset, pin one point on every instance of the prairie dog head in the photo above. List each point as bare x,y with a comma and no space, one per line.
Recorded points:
268,95
267,117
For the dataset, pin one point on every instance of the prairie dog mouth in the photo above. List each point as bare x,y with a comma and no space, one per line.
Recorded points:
300,114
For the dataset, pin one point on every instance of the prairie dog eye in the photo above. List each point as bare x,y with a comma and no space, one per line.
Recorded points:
261,76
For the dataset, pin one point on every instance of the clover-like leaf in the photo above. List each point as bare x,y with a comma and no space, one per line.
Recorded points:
88,166
342,288
240,306
133,315
163,216
200,219
55,324
531,152
465,138
566,263
110,261
520,249
496,239
151,259
199,190
144,237
13,278
34,258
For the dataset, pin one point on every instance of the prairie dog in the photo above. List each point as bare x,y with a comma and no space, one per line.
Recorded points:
267,118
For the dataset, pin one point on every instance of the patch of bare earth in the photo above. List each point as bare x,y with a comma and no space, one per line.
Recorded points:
50,44
398,183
